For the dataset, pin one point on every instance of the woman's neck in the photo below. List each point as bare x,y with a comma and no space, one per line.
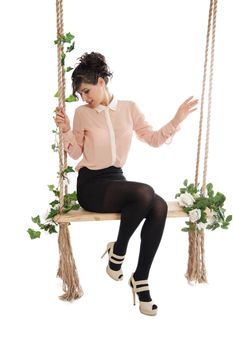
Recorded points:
107,98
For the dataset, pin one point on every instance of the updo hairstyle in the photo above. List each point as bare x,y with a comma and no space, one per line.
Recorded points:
91,66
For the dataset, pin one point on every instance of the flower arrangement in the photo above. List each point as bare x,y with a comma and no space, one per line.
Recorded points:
205,211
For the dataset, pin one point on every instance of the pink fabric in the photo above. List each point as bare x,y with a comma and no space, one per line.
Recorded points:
103,135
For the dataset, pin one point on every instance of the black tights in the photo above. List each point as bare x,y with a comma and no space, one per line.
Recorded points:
135,201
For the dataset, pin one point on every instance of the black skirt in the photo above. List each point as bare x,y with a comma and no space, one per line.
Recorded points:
92,184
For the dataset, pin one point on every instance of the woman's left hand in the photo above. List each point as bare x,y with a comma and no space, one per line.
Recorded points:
187,107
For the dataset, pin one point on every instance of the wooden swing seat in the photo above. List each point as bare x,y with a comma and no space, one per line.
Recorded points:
174,210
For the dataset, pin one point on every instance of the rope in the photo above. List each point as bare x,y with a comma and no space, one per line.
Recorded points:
214,14
211,27
203,92
67,270
196,270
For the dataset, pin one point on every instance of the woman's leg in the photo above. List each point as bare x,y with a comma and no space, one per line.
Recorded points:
135,201
151,234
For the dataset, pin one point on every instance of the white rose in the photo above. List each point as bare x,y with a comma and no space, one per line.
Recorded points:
195,215
185,200
211,217
201,226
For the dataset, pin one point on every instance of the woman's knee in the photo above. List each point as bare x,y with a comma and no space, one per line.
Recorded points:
160,206
145,194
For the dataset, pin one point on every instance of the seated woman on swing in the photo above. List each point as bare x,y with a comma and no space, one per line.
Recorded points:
102,133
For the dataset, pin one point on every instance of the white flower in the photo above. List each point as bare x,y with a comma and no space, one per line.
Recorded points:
211,217
201,226
185,200
195,215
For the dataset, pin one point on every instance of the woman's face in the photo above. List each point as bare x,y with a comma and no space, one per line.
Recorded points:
93,95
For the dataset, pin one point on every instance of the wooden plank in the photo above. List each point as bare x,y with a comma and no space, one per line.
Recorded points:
174,210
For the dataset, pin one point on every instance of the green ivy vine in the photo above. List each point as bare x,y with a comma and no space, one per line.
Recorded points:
48,224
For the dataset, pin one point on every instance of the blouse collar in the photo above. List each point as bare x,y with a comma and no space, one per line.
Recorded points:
112,105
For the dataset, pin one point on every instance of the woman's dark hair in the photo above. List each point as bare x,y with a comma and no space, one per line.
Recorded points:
91,66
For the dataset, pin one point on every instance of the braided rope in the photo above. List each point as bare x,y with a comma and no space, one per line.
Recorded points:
203,92
196,270
210,95
67,269
61,94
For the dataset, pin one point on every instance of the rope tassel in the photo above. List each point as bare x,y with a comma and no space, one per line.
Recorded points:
67,269
196,271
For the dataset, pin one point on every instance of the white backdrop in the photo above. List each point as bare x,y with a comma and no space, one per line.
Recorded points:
155,49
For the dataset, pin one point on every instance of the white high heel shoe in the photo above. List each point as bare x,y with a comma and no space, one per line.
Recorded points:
116,259
145,307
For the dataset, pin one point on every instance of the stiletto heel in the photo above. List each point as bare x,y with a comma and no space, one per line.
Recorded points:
145,307
116,259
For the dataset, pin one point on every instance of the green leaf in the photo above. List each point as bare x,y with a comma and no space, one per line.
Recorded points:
63,56
70,48
52,229
53,203
71,98
71,196
57,94
68,37
64,39
54,147
51,187
68,69
67,209
52,213
185,183
228,218
185,229
34,234
36,220
68,169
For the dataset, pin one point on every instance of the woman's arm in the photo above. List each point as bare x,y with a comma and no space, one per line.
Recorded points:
156,138
72,139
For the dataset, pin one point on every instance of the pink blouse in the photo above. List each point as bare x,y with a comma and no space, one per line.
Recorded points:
103,135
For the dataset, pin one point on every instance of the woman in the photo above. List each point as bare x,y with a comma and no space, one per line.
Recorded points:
102,132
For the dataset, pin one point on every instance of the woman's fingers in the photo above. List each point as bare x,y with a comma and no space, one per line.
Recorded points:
188,99
189,102
192,110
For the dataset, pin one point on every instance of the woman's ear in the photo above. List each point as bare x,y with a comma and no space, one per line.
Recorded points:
101,82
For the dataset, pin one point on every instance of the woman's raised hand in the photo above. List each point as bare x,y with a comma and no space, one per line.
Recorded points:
187,107
62,120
